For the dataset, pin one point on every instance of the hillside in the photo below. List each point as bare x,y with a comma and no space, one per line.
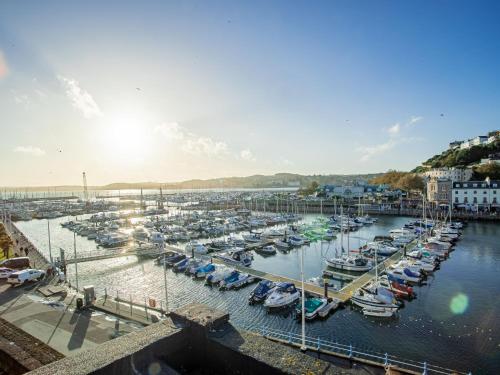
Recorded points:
459,158
279,180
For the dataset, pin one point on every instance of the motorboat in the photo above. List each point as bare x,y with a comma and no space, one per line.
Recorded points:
404,274
267,250
115,240
236,256
261,291
282,245
236,280
218,275
332,305
140,234
296,241
196,248
204,270
350,263
312,306
252,237
283,295
382,249
181,265
157,237
193,266
379,312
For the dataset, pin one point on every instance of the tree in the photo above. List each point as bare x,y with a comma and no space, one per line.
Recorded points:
410,182
487,170
311,189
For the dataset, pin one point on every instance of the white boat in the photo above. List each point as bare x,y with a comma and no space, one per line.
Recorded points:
368,300
380,312
329,307
382,248
236,256
252,237
282,245
220,274
157,237
284,294
196,248
296,241
350,263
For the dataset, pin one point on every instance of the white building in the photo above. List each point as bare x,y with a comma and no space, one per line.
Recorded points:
453,174
476,193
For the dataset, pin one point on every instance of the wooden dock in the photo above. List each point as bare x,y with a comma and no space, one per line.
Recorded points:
343,294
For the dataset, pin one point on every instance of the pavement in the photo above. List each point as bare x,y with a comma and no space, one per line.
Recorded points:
56,321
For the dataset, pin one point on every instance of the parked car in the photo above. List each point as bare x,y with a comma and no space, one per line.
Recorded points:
21,277
5,272
16,263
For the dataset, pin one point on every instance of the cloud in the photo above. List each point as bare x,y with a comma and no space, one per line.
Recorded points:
414,120
21,99
191,143
394,130
247,155
35,151
4,69
171,131
204,146
80,98
395,139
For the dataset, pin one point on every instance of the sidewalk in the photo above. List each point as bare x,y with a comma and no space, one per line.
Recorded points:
58,324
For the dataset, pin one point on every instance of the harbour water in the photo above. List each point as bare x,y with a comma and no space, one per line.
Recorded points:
452,323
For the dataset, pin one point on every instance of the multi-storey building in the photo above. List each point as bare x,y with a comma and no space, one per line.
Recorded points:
477,193
453,174
439,191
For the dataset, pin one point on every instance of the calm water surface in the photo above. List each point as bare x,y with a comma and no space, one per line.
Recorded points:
454,322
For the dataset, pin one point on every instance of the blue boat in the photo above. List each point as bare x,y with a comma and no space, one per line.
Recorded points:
261,291
181,266
204,270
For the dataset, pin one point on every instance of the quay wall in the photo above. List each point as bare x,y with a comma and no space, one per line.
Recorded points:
329,208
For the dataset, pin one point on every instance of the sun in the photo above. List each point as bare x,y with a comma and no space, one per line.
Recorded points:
125,138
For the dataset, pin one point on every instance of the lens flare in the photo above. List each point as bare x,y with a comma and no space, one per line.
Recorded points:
459,304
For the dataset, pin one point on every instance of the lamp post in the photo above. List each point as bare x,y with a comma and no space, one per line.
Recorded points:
303,315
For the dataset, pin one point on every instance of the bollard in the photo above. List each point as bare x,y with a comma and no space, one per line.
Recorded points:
146,307
105,294
425,369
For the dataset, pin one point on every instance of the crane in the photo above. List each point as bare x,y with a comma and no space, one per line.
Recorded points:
85,191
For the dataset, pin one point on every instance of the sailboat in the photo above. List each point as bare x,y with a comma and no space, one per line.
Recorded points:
348,262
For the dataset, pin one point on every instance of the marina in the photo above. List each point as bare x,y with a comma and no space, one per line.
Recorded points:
144,283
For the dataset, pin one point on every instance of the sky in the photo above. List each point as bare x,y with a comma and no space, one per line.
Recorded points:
172,90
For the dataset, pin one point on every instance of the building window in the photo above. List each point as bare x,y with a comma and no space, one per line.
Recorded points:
494,191
465,185
474,185
475,191
456,191
485,200
494,185
475,200
456,199
466,200
465,192
494,200
484,192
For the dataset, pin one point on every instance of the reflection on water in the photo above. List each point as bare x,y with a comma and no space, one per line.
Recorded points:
453,322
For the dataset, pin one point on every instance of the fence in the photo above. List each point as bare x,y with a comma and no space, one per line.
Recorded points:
349,351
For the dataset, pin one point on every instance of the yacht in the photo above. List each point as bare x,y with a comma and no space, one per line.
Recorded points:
236,256
196,248
236,280
312,306
261,291
267,250
365,299
283,295
216,277
350,263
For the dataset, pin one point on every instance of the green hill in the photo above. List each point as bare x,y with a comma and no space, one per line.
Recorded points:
459,158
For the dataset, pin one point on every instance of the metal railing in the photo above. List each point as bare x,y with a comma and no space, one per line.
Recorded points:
349,351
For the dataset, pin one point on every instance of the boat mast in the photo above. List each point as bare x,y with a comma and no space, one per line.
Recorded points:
303,346
341,231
